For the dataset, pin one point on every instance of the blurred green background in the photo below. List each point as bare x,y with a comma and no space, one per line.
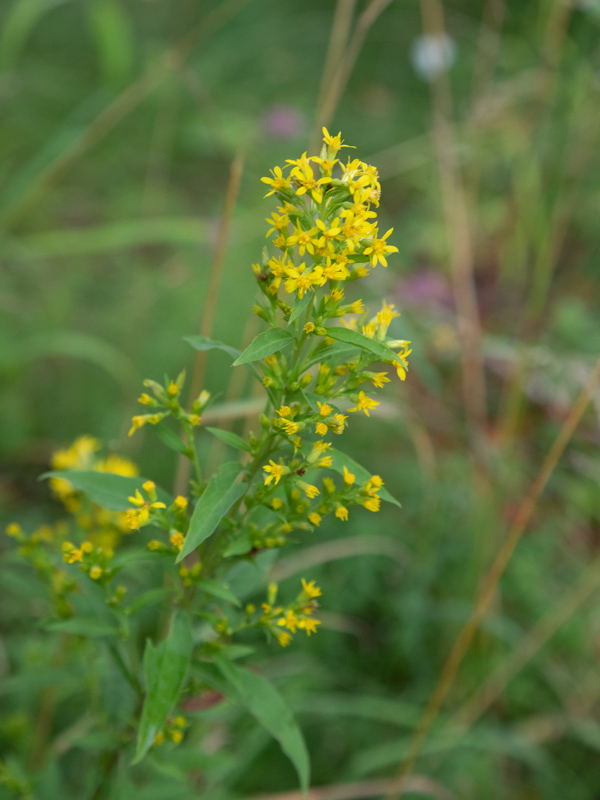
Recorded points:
119,123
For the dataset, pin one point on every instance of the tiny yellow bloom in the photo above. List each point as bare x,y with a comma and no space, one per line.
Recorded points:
315,519
177,736
290,621
324,409
349,478
378,249
177,539
309,327
373,503
95,573
181,502
159,738
276,472
364,403
180,722
321,428
173,389
341,512
278,182
309,625
14,529
284,639
276,503
310,589
87,547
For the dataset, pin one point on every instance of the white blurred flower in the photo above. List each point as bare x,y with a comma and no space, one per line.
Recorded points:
432,55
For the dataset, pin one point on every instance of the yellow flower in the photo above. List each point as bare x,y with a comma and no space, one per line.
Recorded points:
73,556
154,545
173,389
373,503
334,143
349,478
87,547
378,379
284,411
290,427
301,280
325,462
290,621
308,489
315,519
310,589
341,512
15,530
324,409
309,327
177,539
276,471
321,428
95,573
181,502
278,182
304,240
177,736
340,423
378,248
309,625
276,503
284,639
364,403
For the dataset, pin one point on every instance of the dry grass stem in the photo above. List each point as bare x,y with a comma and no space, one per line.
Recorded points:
530,645
341,75
336,549
458,231
340,30
128,100
490,583
416,784
209,309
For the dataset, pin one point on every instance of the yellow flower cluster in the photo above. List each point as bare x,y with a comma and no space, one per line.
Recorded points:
283,621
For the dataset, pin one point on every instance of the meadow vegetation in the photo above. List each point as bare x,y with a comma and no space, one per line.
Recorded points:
458,640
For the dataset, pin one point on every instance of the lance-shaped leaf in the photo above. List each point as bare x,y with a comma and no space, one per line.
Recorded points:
216,589
80,626
232,439
169,438
341,460
105,489
300,306
204,343
165,671
353,337
265,344
265,703
218,497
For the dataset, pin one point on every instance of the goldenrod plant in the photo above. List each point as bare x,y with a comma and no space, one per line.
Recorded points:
152,582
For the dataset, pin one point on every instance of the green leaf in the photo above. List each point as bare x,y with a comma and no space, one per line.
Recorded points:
204,343
239,547
165,670
150,598
300,306
169,438
353,337
105,489
341,460
232,439
80,626
265,703
218,497
265,344
217,589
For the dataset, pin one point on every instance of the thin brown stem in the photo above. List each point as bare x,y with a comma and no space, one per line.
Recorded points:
458,230
490,583
209,310
342,74
340,30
